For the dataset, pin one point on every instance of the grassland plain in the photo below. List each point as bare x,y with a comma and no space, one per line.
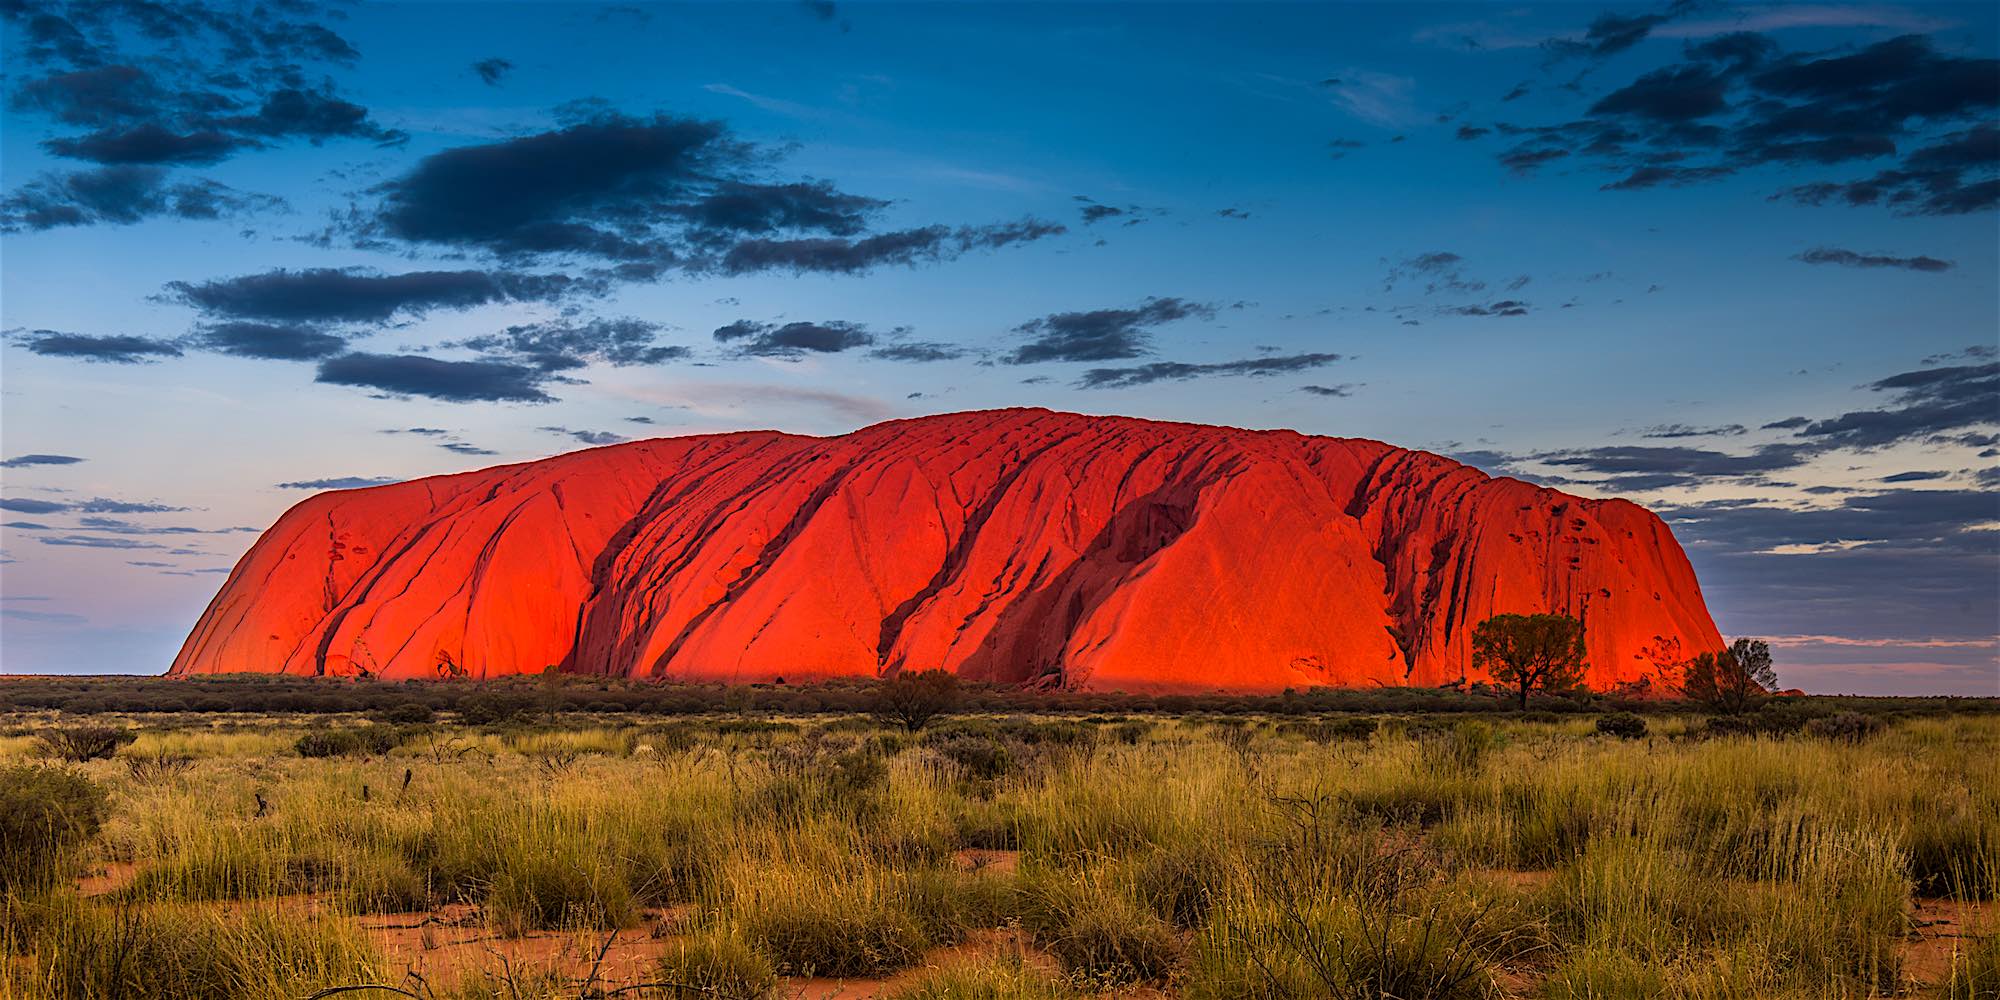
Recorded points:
1206,857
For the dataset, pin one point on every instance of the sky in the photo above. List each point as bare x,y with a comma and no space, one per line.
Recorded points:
1736,263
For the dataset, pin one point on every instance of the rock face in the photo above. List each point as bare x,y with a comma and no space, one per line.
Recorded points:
1013,546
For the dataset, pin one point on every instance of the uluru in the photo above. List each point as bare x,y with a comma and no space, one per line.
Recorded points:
1018,546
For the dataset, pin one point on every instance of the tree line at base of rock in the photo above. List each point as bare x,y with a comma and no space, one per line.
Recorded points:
1539,656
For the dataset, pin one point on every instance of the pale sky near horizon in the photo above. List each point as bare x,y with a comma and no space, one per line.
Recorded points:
1735,262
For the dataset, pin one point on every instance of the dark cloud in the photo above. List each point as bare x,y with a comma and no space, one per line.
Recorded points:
338,483
904,248
1848,258
1438,270
116,348
97,542
23,461
1914,477
451,381
588,437
1341,391
792,340
352,295
1687,431
1102,334
270,341
1341,147
188,83
918,350
492,70
1610,33
1736,102
1174,371
649,195
1924,403
1789,423
121,195
25,505
135,86
558,345
1503,307
119,526
101,505
462,448
1643,467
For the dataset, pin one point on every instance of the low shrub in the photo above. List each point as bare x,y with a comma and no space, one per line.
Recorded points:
46,815
77,744
1623,725
406,714
149,768
1846,727
490,707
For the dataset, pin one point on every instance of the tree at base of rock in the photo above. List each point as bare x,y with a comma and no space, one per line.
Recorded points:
912,700
1732,681
1530,652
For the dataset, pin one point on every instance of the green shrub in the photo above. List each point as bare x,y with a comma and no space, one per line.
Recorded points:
149,768
716,965
1846,727
1623,725
77,744
406,714
46,815
489,707
981,757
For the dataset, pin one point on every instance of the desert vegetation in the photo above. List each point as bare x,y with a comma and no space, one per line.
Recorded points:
1799,849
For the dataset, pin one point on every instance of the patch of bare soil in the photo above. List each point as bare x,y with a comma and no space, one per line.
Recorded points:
452,942
108,878
1940,931
974,859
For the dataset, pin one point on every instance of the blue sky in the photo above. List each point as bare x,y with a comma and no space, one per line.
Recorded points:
1599,247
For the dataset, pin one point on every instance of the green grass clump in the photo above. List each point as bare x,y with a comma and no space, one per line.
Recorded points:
1099,932
46,815
1000,978
85,951
715,964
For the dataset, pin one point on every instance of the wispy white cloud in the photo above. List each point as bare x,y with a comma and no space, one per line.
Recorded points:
1779,18
1383,99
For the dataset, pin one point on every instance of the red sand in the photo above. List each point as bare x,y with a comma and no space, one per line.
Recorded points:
1017,546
